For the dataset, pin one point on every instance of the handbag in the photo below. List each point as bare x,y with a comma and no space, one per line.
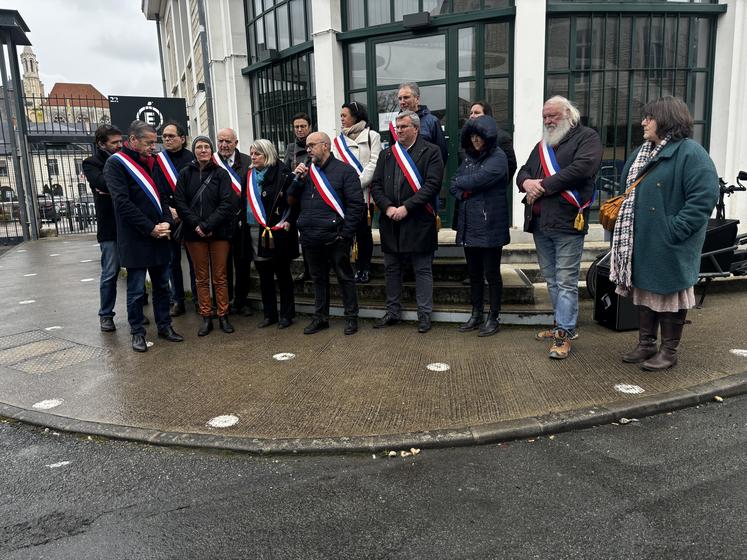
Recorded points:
178,233
610,208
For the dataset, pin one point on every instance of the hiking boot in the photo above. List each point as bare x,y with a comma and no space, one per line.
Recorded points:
550,334
561,345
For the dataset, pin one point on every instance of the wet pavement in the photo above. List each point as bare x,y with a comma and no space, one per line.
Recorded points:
279,390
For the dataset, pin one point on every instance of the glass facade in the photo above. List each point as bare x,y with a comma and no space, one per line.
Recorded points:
610,64
279,91
360,14
276,25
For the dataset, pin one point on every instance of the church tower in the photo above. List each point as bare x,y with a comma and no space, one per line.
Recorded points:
33,88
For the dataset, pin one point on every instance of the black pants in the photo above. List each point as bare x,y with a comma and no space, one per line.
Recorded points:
269,270
337,256
485,263
365,244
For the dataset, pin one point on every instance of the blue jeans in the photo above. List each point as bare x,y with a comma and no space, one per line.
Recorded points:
159,278
109,276
559,257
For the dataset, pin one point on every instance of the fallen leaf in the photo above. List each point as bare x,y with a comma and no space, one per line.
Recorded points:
718,399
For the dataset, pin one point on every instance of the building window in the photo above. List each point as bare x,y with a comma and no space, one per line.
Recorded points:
53,167
359,14
276,26
279,91
3,168
611,64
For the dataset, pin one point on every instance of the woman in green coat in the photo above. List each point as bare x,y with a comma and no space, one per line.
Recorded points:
660,230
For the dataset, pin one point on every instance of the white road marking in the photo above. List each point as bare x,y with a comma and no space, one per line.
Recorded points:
53,328
629,389
284,356
21,251
26,301
29,275
86,280
86,260
223,421
58,465
54,254
739,352
48,404
438,366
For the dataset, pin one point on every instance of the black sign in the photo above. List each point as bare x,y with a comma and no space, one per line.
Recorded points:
152,110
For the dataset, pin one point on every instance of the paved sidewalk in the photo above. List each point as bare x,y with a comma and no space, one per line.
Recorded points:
379,389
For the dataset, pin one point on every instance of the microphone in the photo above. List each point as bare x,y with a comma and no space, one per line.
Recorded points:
298,176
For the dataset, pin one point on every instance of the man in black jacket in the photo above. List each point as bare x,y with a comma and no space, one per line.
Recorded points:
143,231
558,179
108,141
242,252
407,225
332,209
169,163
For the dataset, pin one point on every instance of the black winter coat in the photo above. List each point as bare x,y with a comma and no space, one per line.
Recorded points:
241,242
481,185
216,209
318,223
136,216
579,156
417,232
93,169
274,196
180,160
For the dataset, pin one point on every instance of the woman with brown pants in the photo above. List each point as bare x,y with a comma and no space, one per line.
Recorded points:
206,203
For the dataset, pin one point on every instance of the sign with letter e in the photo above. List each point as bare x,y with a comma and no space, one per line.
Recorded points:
152,110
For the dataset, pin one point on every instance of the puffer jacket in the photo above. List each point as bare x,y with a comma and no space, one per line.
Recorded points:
215,211
480,185
430,131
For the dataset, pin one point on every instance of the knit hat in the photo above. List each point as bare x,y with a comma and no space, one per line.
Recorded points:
203,138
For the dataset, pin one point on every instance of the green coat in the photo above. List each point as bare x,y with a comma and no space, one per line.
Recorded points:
672,206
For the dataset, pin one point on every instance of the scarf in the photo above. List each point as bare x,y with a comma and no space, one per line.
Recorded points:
621,258
354,131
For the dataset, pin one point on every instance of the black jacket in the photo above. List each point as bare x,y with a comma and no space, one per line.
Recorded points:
136,216
480,185
417,232
295,153
215,211
274,197
318,223
93,169
180,160
241,242
579,155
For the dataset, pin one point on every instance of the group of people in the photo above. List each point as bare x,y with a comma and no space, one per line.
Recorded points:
229,209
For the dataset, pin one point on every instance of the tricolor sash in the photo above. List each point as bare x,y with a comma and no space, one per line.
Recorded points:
235,179
346,154
254,198
410,171
328,194
393,131
550,167
167,166
142,178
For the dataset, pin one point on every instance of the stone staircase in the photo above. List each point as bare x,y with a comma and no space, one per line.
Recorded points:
525,297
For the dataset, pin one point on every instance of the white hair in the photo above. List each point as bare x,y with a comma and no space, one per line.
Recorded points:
573,113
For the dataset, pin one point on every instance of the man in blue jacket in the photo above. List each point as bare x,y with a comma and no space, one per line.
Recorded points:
332,209
430,126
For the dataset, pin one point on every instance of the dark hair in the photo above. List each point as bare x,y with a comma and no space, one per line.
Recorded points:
672,117
358,110
486,108
303,116
104,132
180,130
138,129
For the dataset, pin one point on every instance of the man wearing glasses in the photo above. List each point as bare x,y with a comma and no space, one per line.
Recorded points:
405,185
332,209
295,153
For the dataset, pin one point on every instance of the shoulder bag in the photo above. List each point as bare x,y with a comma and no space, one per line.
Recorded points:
610,208
178,234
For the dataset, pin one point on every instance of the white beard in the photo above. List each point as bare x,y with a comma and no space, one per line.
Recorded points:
553,136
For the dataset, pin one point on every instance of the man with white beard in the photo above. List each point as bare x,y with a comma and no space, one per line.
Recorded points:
558,179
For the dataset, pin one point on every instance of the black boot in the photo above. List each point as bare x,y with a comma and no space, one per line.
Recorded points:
205,327
648,327
225,326
475,320
491,326
672,325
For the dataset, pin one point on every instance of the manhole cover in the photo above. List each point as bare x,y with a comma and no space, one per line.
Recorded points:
39,352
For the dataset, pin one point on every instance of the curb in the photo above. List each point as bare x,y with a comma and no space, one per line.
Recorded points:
728,386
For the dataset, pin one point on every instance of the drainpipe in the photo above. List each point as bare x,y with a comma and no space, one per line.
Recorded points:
206,67
160,54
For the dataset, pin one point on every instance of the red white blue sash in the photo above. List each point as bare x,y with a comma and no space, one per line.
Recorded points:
167,166
254,197
346,154
328,194
409,170
142,178
393,131
550,167
235,179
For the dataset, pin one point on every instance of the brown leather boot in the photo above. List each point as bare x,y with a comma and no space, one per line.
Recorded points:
648,326
672,325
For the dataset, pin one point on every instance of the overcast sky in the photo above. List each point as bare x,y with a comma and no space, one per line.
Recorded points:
107,43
